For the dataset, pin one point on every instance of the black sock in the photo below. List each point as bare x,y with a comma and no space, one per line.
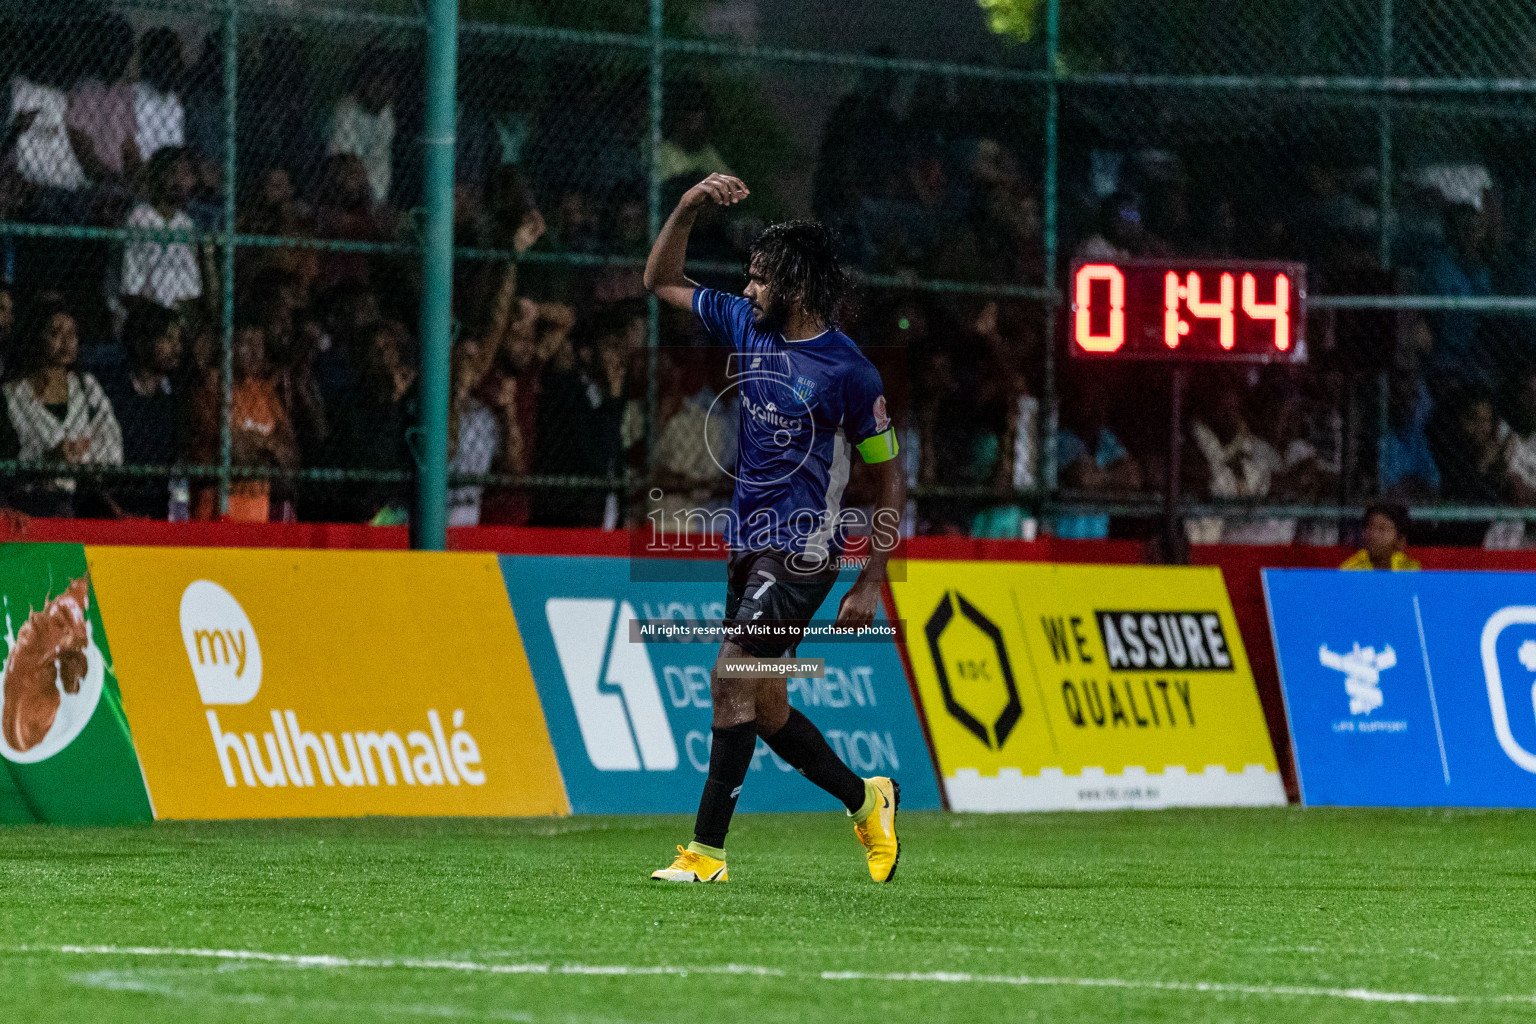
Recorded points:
729,758
803,746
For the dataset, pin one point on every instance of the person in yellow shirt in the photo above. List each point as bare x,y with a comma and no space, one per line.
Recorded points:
1385,536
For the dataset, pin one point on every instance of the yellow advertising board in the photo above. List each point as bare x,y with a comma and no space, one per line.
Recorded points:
262,684
1056,687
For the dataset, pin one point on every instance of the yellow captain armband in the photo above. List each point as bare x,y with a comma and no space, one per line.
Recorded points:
879,448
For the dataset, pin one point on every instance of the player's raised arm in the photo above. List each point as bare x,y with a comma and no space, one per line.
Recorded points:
664,275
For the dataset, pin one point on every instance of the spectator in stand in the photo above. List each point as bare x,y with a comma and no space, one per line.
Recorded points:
1520,445
58,415
159,118
906,223
166,272
1121,232
7,332
203,97
862,140
101,120
364,121
1003,454
482,436
345,210
576,226
1090,459
1005,216
146,397
45,155
534,331
276,303
1468,443
273,208
1230,460
1406,469
581,407
368,428
1459,268
1305,427
280,116
686,150
696,452
260,432
1385,534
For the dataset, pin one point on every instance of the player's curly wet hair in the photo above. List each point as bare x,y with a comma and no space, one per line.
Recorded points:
798,259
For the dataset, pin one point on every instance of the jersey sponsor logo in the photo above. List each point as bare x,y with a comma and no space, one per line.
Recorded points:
623,729
769,414
882,418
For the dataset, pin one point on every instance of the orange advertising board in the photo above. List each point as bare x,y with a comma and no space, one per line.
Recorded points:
264,684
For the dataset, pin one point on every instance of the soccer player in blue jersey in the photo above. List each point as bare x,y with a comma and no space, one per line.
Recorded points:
807,395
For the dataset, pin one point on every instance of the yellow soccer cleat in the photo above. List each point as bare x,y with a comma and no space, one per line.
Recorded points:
692,866
876,827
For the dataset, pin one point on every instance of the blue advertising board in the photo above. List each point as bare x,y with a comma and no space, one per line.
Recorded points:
631,720
1408,689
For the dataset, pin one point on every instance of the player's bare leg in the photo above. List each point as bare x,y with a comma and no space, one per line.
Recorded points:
734,735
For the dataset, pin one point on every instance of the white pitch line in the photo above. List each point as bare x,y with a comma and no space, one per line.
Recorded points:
411,963
326,961
1225,988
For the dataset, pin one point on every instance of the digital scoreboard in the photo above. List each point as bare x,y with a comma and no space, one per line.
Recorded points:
1188,310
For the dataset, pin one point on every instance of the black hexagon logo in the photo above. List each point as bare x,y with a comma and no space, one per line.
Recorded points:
942,616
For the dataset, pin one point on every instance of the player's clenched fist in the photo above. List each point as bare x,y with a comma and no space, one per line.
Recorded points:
720,189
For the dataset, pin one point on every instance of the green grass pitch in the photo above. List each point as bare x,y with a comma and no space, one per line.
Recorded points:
1179,916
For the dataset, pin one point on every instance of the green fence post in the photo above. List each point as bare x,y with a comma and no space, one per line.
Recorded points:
653,214
1047,432
227,247
429,526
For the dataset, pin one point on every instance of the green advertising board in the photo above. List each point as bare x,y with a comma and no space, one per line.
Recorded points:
66,754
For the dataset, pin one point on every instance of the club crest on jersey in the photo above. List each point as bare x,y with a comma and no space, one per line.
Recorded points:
804,389
882,420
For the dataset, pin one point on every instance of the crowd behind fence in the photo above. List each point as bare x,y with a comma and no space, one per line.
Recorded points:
210,235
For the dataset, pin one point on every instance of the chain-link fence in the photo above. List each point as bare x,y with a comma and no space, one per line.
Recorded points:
211,231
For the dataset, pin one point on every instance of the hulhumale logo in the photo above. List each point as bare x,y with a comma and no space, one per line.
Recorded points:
225,655
621,729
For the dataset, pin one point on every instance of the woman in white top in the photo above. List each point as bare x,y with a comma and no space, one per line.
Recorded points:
59,415
165,272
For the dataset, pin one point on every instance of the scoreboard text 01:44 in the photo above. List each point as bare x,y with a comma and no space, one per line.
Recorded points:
1205,311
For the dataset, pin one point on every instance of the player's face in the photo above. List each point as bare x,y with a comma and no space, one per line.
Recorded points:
767,309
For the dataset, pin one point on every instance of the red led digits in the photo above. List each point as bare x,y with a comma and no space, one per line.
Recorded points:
1174,326
1279,311
1220,310
1187,311
1086,339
